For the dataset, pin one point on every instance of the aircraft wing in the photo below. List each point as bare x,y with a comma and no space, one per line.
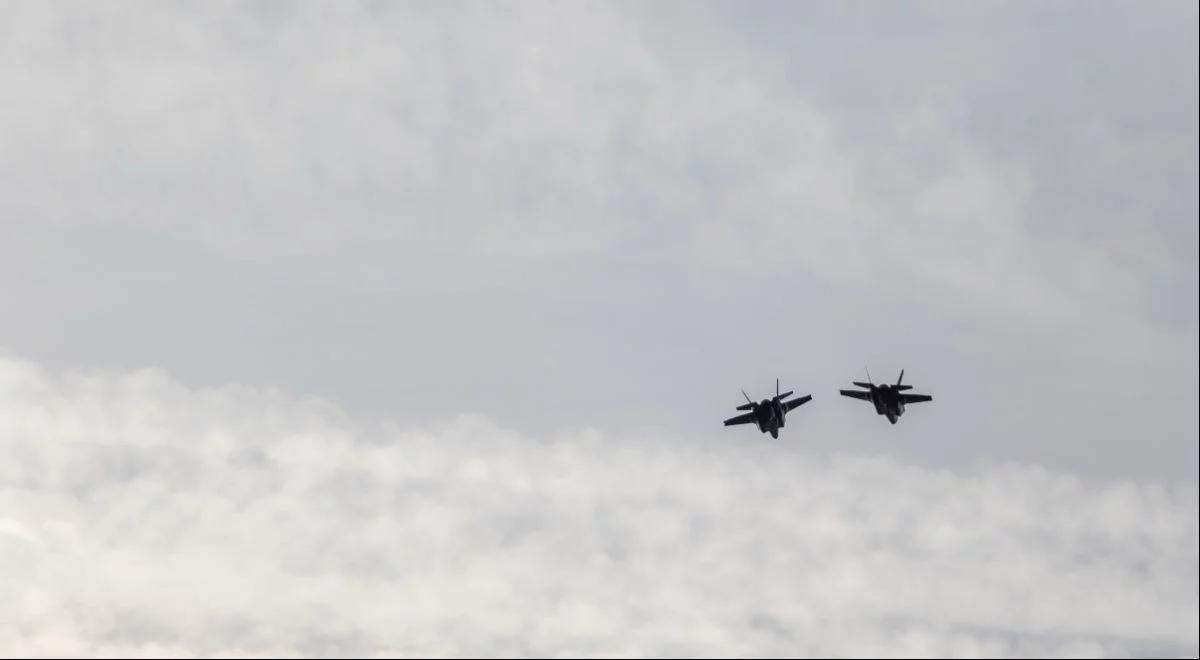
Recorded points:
855,394
794,403
915,398
740,419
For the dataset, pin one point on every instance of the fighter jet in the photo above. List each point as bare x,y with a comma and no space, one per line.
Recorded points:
768,414
888,399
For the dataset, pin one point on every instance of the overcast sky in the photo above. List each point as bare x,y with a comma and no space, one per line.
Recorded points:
291,287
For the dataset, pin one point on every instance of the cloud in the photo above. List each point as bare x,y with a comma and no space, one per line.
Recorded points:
371,142
142,517
423,209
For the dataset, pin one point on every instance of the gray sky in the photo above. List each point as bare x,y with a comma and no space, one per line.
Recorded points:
594,215
600,221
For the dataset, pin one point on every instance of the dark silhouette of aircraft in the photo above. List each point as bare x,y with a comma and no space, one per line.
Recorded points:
768,414
889,400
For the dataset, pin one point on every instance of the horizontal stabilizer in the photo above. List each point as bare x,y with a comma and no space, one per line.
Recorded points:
902,387
746,406
866,385
785,395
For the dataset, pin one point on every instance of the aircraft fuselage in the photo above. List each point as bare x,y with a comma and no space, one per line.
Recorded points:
770,417
888,402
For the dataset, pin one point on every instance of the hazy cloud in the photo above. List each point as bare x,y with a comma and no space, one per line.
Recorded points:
138,516
526,256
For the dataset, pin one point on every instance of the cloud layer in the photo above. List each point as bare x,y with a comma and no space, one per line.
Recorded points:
611,215
138,516
496,137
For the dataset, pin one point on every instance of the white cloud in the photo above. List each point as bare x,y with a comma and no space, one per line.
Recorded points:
371,144
287,194
141,517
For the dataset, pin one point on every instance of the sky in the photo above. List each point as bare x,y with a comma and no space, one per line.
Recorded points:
408,328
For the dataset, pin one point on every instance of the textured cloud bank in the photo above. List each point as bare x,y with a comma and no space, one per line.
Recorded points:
366,139
141,517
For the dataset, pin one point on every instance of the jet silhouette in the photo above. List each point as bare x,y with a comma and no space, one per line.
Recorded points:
768,414
889,400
